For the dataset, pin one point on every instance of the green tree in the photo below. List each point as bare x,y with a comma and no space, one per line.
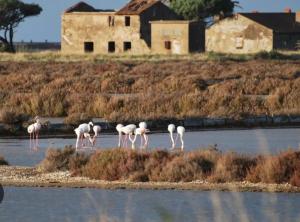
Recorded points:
201,9
12,12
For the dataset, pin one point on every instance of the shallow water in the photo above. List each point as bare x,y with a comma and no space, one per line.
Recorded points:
45,204
16,151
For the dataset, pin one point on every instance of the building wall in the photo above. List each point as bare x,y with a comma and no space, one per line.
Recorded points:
289,41
157,12
238,35
80,27
176,33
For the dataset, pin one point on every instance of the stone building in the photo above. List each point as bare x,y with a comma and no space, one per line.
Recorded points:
177,37
86,29
254,32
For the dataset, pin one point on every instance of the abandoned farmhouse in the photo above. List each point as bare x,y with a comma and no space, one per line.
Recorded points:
254,32
149,26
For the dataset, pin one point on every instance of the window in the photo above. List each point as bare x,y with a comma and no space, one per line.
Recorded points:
111,21
88,47
168,45
239,43
111,47
127,46
127,20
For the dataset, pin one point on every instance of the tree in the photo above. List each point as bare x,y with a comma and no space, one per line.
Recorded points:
202,9
12,13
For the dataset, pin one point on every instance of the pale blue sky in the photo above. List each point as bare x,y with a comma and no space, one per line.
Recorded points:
47,25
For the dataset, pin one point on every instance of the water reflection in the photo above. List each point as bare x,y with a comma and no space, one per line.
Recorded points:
29,204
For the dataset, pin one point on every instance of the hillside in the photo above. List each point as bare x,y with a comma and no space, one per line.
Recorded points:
135,90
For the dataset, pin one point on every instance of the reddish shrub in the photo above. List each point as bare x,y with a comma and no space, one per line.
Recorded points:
57,159
114,164
232,167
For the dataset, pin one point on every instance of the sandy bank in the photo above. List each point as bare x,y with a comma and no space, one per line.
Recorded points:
31,177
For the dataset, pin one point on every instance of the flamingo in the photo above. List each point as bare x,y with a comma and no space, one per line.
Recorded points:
128,131
79,133
83,132
96,130
171,129
180,132
33,131
81,136
86,127
141,131
119,128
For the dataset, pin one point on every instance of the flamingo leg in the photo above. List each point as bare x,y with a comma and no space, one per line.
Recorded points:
176,140
127,136
33,140
120,140
77,142
30,141
146,141
81,140
123,140
37,140
182,143
141,146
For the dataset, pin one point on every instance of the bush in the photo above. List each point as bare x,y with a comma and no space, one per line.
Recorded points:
57,159
115,164
3,162
77,163
232,167
161,165
156,162
11,117
189,167
269,55
282,168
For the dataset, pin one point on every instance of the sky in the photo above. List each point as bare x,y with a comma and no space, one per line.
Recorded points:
46,26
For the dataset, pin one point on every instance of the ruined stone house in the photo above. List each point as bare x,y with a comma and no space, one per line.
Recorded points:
140,27
86,29
177,37
254,32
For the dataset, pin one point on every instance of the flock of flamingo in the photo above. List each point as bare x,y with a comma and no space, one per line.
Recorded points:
128,132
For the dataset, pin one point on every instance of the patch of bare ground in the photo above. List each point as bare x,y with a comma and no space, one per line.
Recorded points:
31,177
149,90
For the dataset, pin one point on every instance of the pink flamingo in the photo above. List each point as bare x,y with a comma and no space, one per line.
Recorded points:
33,131
97,130
142,132
128,131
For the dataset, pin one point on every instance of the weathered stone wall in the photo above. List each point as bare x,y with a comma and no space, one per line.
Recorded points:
80,27
155,13
238,35
176,32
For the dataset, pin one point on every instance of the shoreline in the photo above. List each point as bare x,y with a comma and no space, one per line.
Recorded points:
156,131
14,176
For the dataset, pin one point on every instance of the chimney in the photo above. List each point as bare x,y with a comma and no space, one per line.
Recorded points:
298,16
288,10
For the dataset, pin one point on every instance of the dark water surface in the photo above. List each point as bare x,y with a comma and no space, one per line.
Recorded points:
43,204
16,151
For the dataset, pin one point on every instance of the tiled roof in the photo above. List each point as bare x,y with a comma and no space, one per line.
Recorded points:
136,7
278,22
